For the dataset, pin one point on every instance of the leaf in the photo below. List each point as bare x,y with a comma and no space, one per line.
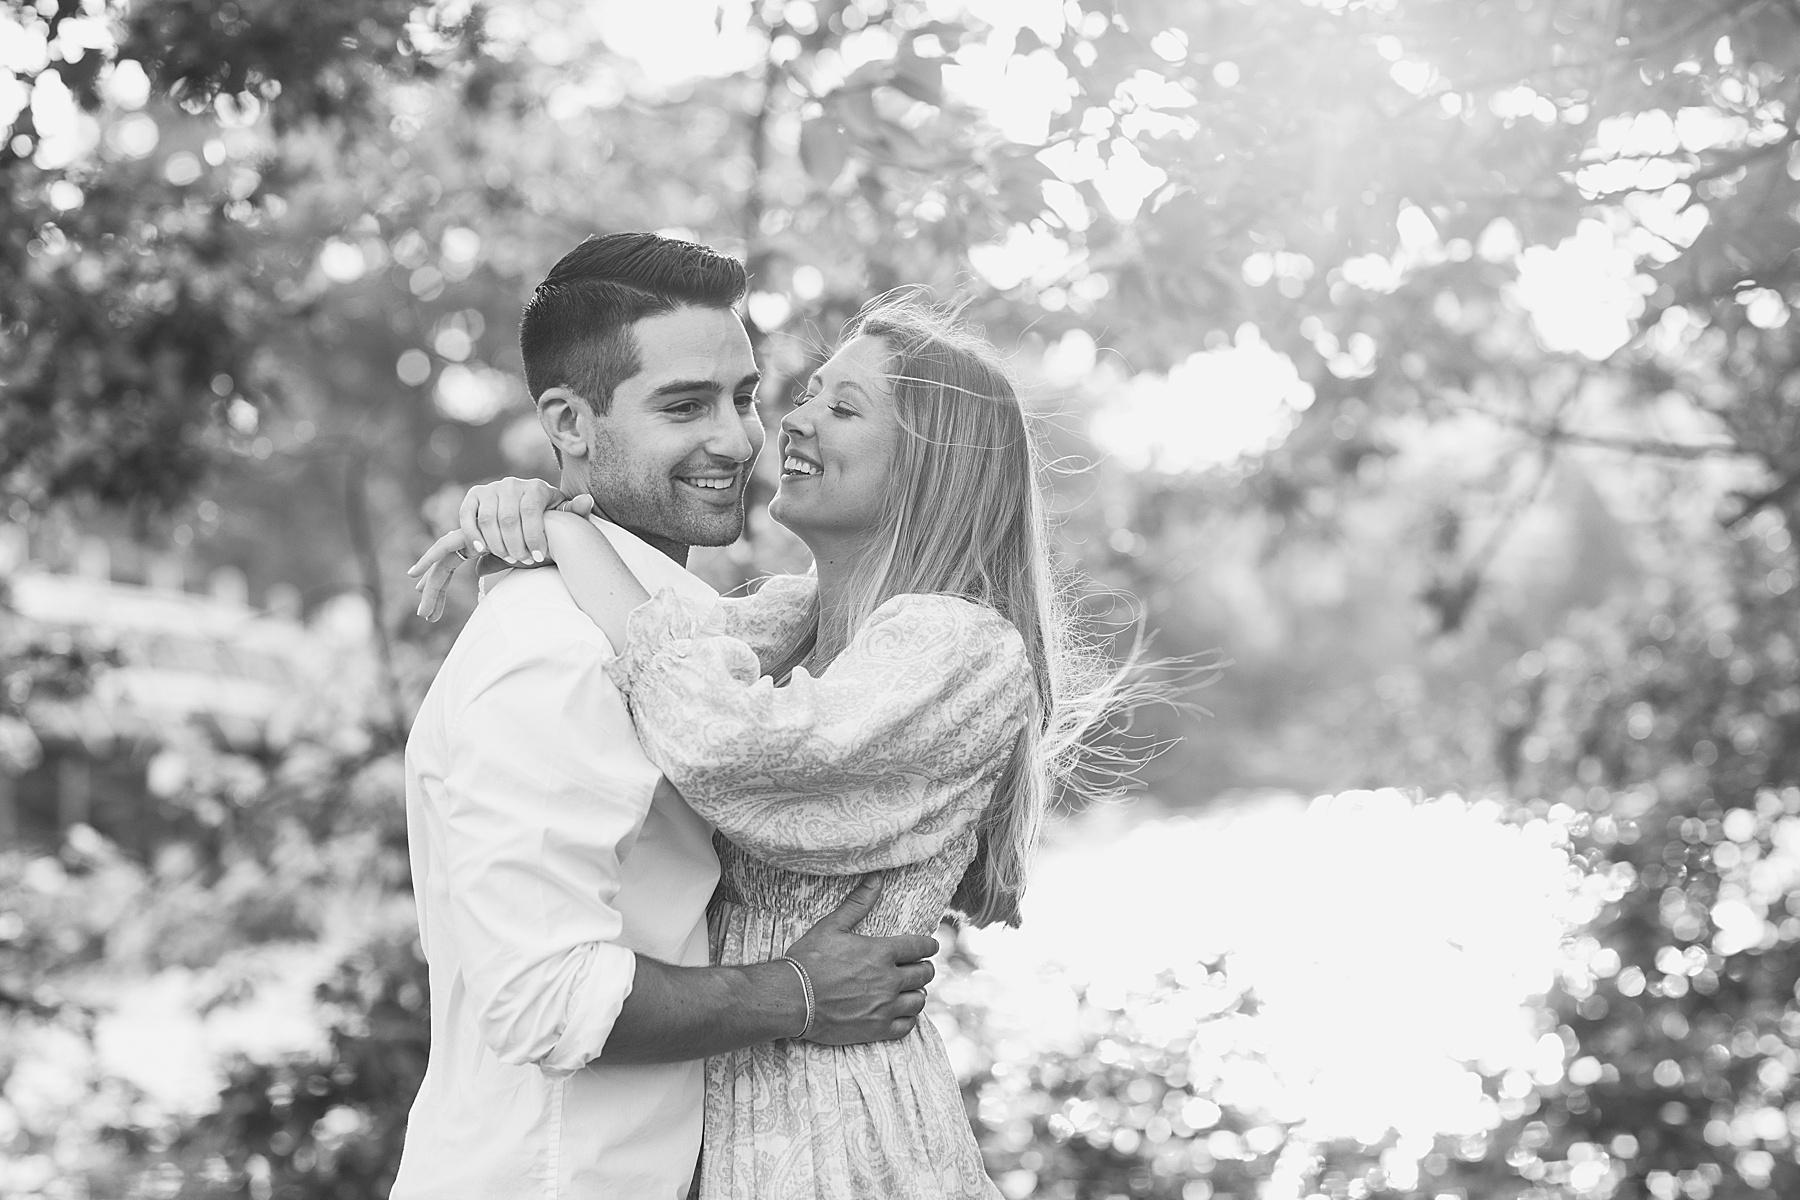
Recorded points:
920,78
869,75
823,149
855,107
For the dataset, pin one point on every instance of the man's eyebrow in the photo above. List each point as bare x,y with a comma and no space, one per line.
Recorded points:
680,387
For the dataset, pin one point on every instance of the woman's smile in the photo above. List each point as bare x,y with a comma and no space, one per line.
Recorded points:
795,465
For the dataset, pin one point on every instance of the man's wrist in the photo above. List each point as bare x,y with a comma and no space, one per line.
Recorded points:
806,992
775,989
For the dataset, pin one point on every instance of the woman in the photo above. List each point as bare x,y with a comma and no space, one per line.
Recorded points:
907,709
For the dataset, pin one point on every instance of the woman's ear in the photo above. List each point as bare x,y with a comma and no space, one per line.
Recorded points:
564,418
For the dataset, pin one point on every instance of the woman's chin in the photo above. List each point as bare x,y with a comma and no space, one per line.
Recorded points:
784,512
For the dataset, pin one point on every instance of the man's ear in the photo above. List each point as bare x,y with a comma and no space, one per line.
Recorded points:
566,421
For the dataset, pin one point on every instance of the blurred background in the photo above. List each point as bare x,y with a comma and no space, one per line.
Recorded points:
1429,360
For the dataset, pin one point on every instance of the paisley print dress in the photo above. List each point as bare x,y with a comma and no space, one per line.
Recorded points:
882,762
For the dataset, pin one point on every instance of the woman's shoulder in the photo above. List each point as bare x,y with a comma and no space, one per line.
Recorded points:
786,589
934,619
778,599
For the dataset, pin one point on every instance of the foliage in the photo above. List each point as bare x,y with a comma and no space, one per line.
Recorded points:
266,304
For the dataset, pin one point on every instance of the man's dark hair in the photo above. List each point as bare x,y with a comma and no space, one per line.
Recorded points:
576,331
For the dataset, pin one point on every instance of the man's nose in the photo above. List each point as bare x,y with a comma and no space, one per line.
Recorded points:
731,438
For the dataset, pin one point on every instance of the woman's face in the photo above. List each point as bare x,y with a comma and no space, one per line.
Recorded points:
838,447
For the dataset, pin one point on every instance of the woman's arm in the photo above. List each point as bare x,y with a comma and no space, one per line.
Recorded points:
594,573
876,762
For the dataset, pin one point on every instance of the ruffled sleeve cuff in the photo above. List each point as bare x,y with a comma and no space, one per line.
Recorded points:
665,623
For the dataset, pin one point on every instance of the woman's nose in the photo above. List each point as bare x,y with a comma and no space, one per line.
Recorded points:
798,421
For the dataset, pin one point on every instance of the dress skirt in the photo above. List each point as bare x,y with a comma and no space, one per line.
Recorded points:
793,1120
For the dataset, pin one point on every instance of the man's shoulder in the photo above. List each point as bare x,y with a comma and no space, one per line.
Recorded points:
652,568
525,609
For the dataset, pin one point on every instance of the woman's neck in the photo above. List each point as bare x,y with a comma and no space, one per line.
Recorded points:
836,567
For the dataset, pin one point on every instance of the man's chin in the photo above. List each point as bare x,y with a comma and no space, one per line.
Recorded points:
712,529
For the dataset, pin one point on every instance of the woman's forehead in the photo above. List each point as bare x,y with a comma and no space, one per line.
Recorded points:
866,360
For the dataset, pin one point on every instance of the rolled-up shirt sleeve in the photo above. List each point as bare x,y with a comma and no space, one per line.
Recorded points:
536,818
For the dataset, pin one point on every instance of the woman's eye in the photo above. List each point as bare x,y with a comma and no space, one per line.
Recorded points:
842,410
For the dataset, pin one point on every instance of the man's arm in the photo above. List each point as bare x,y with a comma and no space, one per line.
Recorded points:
865,989
544,788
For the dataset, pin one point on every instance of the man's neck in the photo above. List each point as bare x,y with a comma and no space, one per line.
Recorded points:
572,485
673,549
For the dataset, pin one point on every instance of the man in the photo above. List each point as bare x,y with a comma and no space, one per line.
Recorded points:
561,891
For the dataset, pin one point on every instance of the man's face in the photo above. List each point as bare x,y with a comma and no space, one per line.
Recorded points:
671,458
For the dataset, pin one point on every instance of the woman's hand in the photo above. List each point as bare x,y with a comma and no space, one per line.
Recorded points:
505,519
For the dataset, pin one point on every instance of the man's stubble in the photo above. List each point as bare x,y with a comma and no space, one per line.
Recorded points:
646,500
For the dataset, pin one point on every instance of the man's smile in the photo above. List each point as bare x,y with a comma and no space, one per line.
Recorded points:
717,485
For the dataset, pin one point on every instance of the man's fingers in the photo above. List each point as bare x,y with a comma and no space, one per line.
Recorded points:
902,1026
581,505
911,947
915,976
909,1004
856,905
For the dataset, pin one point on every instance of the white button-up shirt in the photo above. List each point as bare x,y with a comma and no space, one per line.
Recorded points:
540,862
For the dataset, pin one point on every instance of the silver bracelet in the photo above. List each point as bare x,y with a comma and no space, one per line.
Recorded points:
806,990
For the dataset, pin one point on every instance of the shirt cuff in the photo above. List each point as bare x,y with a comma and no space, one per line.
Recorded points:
605,980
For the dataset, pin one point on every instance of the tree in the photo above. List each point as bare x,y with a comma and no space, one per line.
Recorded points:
296,307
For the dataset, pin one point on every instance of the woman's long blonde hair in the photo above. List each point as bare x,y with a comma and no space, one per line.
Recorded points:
966,517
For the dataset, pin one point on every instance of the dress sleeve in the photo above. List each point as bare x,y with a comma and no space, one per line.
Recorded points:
767,619
878,761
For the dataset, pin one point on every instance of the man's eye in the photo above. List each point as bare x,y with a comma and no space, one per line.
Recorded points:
748,400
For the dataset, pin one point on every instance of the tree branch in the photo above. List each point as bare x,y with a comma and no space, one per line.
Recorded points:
362,541
1649,447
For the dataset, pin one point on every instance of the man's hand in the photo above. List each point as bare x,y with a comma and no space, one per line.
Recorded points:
865,989
506,518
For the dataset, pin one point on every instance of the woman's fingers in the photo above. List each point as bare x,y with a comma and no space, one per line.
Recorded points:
487,523
533,505
466,515
434,588
512,527
434,570
453,545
